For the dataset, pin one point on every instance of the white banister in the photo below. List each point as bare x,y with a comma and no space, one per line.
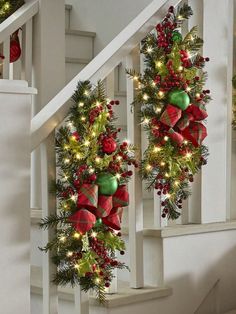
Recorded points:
135,189
17,19
48,169
50,116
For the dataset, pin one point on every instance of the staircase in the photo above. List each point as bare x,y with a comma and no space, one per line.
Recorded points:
174,265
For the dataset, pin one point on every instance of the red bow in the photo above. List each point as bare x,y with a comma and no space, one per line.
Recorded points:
91,206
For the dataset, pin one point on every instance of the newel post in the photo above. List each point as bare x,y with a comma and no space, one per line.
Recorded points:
15,108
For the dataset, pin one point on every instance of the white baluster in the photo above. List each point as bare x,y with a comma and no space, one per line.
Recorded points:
27,52
6,61
215,174
81,301
110,86
135,189
48,169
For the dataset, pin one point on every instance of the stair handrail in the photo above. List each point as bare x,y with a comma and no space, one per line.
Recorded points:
44,122
18,18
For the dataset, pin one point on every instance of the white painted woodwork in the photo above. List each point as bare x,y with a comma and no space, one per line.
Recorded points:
15,198
48,174
45,121
6,61
214,174
19,18
135,189
79,44
81,300
27,52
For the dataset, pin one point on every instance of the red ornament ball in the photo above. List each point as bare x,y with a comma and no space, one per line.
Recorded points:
109,145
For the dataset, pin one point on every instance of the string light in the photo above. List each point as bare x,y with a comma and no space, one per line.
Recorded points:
156,149
83,118
76,235
180,68
167,175
91,170
66,160
86,143
146,121
66,147
76,266
78,156
162,163
176,183
65,177
98,104
148,167
65,206
94,234
135,78
158,109
119,158
145,97
153,84
158,64
93,134
118,176
188,155
188,89
149,49
86,93
69,254
168,195
198,95
73,198
98,280
70,125
185,142
166,138
97,160
81,104
62,239
160,94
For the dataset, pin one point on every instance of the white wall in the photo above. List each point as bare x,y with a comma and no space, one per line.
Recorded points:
105,17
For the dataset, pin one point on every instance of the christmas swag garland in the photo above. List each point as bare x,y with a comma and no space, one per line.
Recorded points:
173,107
91,192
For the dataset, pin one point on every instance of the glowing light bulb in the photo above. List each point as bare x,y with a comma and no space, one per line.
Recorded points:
81,104
160,94
149,49
66,147
188,155
156,149
188,89
135,78
166,138
78,156
162,163
148,167
86,93
97,103
93,134
83,118
198,95
86,143
98,280
91,170
76,266
158,64
153,84
158,109
73,198
180,68
118,176
176,183
180,17
168,195
66,160
97,160
69,254
167,175
146,121
65,177
94,234
145,97
76,235
119,158
62,239
70,125
185,142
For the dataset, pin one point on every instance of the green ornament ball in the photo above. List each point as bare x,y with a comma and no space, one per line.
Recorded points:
107,183
179,98
98,222
176,36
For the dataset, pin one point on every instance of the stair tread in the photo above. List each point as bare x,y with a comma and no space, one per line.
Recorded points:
80,33
125,295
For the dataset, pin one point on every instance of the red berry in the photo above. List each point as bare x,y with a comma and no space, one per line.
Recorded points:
122,252
107,284
112,102
117,102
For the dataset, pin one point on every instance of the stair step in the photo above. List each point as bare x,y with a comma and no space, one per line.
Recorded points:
125,294
80,33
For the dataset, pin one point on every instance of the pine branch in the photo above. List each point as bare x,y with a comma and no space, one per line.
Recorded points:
54,220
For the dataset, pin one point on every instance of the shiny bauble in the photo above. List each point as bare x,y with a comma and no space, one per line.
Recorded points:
107,183
98,223
179,98
176,36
